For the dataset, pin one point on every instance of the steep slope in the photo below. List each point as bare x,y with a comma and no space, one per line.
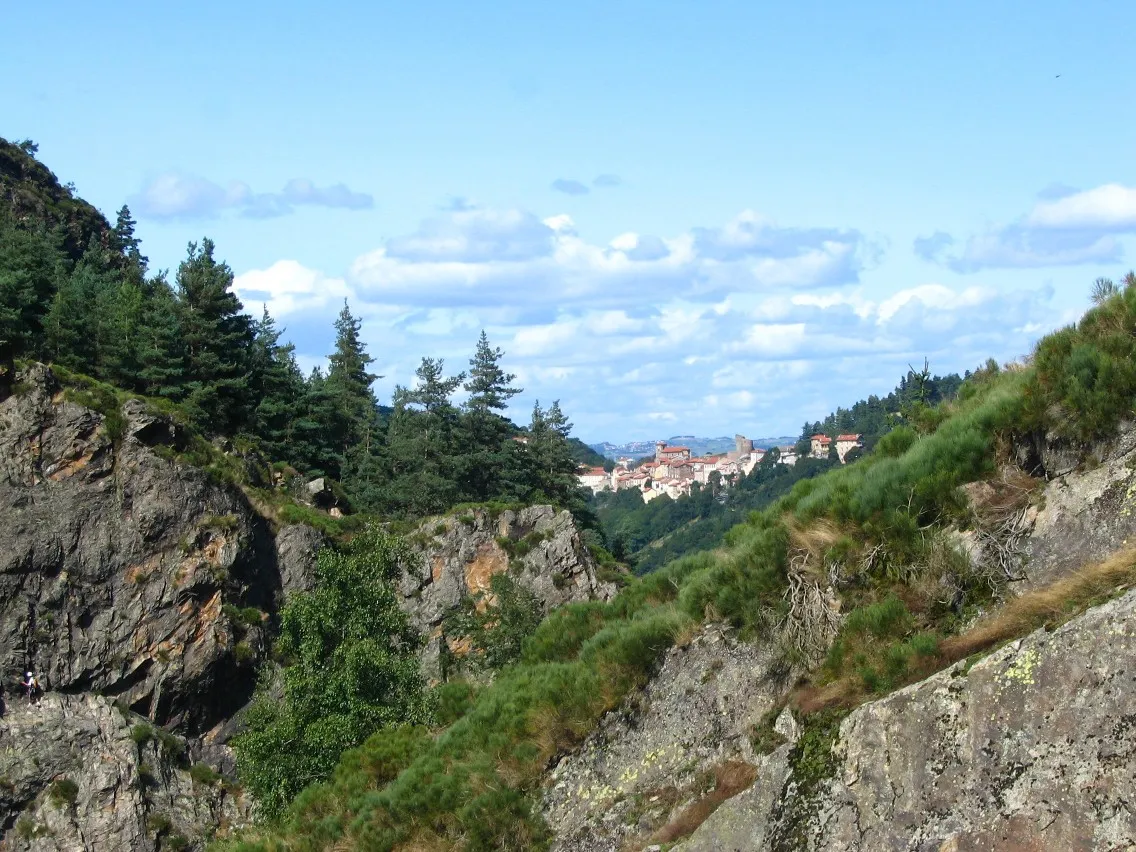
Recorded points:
125,577
1030,748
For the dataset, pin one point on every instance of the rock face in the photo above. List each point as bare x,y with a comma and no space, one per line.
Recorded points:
79,774
1084,515
117,566
115,562
644,762
1032,748
457,556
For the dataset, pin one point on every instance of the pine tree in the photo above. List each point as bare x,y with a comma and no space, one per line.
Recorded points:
31,268
487,456
349,385
128,245
421,443
160,348
277,385
217,338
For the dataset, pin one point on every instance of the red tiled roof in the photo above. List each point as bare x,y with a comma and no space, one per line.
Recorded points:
676,450
824,439
848,437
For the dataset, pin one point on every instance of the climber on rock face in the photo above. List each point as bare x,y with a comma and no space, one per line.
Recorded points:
31,685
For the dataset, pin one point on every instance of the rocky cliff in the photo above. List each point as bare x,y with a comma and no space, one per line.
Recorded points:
1031,748
142,590
125,576
458,555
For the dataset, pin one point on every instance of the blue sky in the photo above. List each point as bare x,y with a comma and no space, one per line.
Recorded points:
674,217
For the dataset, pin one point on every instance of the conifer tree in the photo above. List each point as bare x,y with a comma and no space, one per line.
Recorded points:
349,385
216,335
31,267
160,349
421,442
485,464
277,387
128,245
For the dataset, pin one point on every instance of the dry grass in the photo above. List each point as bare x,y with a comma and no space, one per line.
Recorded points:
810,543
730,778
1053,603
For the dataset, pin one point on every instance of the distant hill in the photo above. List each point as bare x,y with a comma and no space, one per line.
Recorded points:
698,446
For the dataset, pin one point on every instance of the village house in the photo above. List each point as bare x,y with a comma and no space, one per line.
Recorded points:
819,446
595,478
787,455
845,444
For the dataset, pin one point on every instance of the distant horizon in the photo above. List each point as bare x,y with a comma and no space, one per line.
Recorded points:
702,215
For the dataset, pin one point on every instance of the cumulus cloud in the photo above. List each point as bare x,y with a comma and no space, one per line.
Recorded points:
177,195
569,187
750,325
480,256
1064,228
287,288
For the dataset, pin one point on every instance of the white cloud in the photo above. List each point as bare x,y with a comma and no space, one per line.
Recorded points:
178,195
288,288
479,256
629,345
1064,228
1108,207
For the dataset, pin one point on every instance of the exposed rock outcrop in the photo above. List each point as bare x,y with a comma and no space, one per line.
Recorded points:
117,566
78,773
644,762
1031,748
456,557
115,561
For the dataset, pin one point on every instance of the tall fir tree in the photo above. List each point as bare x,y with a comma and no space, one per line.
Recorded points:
349,384
160,347
421,442
486,462
129,246
277,387
217,336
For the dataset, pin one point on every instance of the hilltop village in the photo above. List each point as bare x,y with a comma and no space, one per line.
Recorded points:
673,471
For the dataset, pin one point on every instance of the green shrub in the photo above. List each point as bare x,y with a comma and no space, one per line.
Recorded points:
452,700
141,734
203,773
350,669
172,744
157,823
63,792
243,653
496,631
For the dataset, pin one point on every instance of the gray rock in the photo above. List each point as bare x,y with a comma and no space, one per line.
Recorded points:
635,771
456,557
115,561
1031,748
296,548
1083,517
74,778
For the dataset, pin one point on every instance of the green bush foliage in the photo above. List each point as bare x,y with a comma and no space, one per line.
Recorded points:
349,669
496,622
